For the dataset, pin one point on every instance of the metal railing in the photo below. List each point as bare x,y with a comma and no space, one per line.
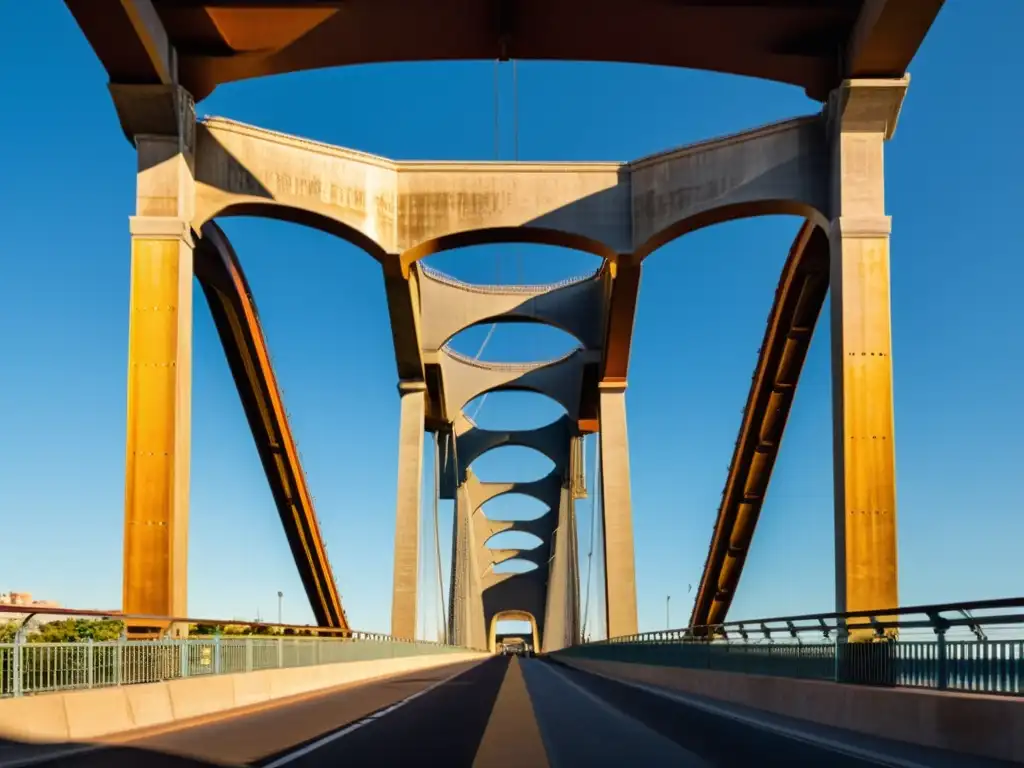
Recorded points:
904,647
31,667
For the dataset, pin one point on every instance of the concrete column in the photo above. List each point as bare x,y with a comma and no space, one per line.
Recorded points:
476,563
620,569
159,358
559,604
863,116
407,518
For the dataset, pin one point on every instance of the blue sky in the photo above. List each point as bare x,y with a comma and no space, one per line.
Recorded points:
953,175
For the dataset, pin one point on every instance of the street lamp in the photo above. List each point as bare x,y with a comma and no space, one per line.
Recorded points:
668,621
280,597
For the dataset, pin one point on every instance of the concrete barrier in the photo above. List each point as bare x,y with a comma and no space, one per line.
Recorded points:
90,714
974,724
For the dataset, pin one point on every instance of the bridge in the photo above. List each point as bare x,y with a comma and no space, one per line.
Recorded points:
851,685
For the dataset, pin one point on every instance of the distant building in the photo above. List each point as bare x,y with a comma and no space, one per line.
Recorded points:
24,599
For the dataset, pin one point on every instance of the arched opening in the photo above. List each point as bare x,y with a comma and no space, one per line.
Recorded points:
270,210
513,263
513,341
290,306
514,540
720,310
513,410
515,506
514,622
515,565
512,464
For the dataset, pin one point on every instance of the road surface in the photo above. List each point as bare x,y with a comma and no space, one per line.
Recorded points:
500,712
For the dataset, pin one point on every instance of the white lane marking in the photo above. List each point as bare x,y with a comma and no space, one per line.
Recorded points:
362,723
791,733
50,757
693,759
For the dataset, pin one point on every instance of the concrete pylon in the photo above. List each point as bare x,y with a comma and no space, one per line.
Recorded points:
159,354
862,116
619,558
407,517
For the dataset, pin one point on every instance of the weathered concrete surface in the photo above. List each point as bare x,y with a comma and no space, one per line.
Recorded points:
418,208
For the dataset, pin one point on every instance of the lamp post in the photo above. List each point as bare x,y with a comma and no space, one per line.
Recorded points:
668,621
280,597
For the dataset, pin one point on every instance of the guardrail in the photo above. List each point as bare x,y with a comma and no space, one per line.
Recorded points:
31,667
861,647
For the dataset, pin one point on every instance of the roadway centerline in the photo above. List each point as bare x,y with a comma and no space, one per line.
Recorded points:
323,741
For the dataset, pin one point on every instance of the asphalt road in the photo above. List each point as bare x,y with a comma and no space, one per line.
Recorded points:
500,712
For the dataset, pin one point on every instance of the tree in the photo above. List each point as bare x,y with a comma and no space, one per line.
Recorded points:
8,630
77,630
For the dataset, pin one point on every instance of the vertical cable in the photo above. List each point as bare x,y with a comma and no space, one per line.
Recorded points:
437,526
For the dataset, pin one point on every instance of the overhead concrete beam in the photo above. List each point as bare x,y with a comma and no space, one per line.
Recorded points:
887,35
776,169
799,43
418,208
129,39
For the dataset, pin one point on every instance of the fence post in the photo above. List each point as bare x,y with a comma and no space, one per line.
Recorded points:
280,652
119,659
943,681
216,654
90,663
183,656
248,654
16,664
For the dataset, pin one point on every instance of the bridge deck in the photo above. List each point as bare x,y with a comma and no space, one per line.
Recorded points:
495,713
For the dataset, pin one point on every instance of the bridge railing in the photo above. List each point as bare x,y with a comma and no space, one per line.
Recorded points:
976,646
30,666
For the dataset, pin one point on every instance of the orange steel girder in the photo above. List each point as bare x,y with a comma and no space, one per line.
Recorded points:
234,312
798,300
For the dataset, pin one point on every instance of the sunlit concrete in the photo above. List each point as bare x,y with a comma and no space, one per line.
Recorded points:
826,167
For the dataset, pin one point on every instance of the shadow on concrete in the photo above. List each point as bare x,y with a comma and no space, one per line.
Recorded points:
14,754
